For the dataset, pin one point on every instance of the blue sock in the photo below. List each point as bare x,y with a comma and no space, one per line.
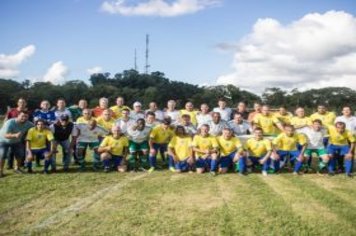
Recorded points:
266,165
214,164
106,163
152,160
46,164
242,164
276,164
29,164
117,162
331,165
348,166
297,166
310,161
171,162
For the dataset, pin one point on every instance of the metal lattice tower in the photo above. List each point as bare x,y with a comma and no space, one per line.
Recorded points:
147,66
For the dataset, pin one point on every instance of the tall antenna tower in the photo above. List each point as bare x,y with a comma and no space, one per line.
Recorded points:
135,62
147,66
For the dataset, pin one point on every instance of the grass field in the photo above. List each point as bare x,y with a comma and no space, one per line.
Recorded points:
165,203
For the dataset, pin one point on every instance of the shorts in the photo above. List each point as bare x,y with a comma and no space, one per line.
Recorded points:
226,161
336,149
203,163
117,160
18,149
160,147
292,154
182,165
319,152
39,152
136,147
91,145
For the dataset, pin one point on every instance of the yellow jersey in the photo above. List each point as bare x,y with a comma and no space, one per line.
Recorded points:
228,146
338,139
38,139
328,118
258,148
266,123
181,146
117,144
118,110
192,114
284,119
160,135
289,143
105,124
298,122
204,143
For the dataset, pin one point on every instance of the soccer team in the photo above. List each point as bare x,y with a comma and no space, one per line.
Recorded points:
224,139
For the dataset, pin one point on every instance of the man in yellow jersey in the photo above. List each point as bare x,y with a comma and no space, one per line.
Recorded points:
105,120
120,105
205,147
189,110
36,145
285,146
180,151
258,151
230,148
267,121
341,146
86,117
300,121
158,142
283,115
114,148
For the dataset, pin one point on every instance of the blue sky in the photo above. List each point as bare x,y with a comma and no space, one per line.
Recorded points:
81,35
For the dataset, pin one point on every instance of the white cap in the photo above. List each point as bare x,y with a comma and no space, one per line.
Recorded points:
137,104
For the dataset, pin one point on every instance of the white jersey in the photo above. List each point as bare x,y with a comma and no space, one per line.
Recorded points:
174,115
239,129
224,113
59,113
124,125
216,129
138,136
315,138
189,129
84,134
350,122
137,115
152,125
158,114
203,119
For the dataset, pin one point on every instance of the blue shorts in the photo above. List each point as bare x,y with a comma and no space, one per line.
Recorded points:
292,154
203,163
226,161
39,153
255,160
339,150
116,160
160,147
182,165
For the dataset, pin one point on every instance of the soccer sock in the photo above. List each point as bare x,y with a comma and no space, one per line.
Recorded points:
310,161
266,165
276,165
348,166
297,166
29,165
214,164
116,161
106,163
171,162
331,165
152,160
144,161
132,162
242,164
46,164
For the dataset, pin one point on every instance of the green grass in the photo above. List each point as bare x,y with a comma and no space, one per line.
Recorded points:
164,203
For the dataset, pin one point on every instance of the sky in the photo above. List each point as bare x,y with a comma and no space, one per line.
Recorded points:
252,44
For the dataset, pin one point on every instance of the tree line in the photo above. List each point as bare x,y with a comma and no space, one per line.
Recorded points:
135,86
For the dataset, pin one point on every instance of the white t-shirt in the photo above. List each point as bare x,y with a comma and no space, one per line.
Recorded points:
158,114
349,121
239,129
138,136
224,113
315,138
124,125
59,113
216,129
137,115
203,119
174,115
84,134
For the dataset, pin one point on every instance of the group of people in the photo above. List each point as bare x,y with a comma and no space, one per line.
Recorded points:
215,141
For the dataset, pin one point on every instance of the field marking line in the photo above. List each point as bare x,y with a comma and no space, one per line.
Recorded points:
71,211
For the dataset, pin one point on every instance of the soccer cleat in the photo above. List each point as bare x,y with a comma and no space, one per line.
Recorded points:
212,173
150,170
46,172
18,171
242,174
249,170
264,173
349,175
331,173
142,169
106,169
29,170
172,169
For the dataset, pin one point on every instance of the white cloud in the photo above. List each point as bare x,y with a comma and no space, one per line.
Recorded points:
9,63
56,73
318,50
161,8
94,70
